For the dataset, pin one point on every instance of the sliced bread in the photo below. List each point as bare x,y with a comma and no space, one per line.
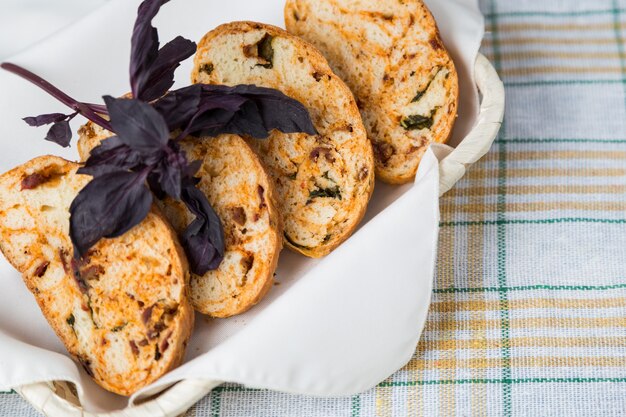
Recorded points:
323,181
240,191
122,311
391,56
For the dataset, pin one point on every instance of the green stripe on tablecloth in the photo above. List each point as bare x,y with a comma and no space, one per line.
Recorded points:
501,235
493,15
620,43
500,381
540,83
531,288
355,406
216,403
558,140
356,403
538,221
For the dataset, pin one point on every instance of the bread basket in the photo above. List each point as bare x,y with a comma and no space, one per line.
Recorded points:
58,399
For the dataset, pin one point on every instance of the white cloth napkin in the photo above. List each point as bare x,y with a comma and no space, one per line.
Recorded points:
24,22
334,326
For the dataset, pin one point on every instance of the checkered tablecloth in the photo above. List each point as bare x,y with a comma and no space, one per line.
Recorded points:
529,312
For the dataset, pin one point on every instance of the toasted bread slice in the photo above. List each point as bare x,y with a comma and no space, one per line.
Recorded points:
391,56
122,311
324,182
241,192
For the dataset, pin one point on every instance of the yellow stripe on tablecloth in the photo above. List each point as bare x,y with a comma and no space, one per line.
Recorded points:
522,304
522,342
527,55
527,323
445,263
384,400
546,206
479,391
515,72
520,362
445,276
481,173
570,27
539,189
552,41
553,154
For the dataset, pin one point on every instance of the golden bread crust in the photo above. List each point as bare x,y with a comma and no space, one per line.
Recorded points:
391,56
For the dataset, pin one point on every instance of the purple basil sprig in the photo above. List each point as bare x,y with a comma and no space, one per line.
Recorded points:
60,131
110,205
210,110
203,240
142,155
152,69
142,159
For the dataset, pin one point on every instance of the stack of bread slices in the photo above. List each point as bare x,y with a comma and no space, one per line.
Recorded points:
379,86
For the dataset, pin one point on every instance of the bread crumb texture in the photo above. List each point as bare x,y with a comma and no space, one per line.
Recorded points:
242,194
323,181
391,56
240,191
121,311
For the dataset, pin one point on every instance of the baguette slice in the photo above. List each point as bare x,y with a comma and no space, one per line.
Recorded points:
122,311
324,182
391,56
240,191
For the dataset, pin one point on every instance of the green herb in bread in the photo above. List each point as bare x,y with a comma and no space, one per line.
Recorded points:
323,181
238,188
391,56
122,310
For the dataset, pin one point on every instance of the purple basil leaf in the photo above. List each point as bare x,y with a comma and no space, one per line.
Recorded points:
278,110
107,144
208,122
137,124
192,168
161,72
60,133
221,97
203,239
97,170
179,106
144,45
152,69
108,206
247,121
111,152
45,119
155,186
214,112
169,178
170,171
247,110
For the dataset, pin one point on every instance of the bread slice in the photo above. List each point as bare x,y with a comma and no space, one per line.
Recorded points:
390,54
324,182
122,311
240,191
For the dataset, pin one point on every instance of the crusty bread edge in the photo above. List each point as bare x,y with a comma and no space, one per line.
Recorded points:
380,174
186,322
276,219
316,59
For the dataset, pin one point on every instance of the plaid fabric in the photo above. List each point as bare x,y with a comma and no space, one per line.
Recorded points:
529,312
